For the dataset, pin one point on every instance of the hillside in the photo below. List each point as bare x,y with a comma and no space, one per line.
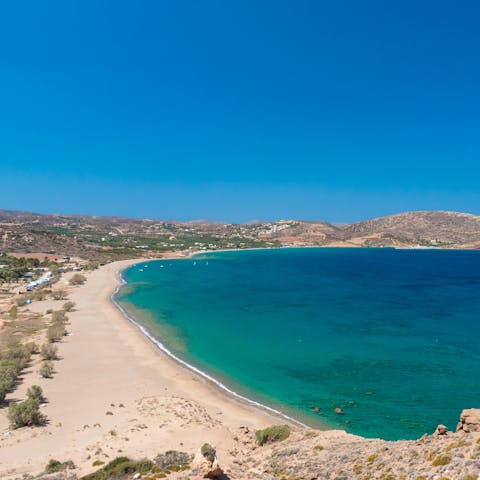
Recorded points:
109,238
428,228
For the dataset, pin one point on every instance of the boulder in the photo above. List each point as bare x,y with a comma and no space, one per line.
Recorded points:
469,421
440,430
206,467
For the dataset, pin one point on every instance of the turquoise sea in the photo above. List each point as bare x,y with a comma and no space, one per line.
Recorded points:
390,336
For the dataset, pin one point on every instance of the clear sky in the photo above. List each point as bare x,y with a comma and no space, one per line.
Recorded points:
240,110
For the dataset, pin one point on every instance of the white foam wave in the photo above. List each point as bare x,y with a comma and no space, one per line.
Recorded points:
194,369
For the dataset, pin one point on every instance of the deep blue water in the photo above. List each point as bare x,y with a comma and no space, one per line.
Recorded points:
390,336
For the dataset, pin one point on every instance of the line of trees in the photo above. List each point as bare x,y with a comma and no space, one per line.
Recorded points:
16,267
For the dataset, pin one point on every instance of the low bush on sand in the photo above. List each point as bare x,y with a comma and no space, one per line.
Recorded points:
276,433
35,392
78,279
54,466
59,295
49,351
55,332
39,295
68,306
119,468
12,362
46,369
32,348
26,414
58,316
441,460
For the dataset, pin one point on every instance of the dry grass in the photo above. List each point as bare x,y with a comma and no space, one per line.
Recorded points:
24,326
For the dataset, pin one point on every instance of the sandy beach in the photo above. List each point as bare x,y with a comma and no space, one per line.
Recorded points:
115,393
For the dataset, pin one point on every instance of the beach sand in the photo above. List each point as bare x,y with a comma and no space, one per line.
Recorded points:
115,393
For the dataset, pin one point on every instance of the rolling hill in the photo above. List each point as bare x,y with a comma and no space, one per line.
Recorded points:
108,238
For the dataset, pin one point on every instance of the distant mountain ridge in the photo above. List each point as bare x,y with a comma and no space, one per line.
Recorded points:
122,237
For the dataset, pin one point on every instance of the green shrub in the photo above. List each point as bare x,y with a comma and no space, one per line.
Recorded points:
77,279
35,392
26,413
12,362
49,352
91,265
171,458
55,332
3,392
441,460
32,348
208,452
19,353
39,295
54,466
68,306
46,370
275,433
119,468
97,463
59,294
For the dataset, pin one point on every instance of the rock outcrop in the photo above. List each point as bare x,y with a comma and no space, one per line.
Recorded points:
469,421
440,430
205,464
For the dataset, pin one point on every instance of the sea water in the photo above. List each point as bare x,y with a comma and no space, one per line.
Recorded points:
391,337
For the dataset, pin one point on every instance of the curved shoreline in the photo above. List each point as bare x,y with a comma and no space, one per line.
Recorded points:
191,368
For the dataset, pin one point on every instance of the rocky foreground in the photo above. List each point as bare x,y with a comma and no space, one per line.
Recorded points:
308,455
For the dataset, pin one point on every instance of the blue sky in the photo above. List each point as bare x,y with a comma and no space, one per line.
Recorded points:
240,110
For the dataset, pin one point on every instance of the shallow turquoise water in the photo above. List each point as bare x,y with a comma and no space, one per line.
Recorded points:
390,336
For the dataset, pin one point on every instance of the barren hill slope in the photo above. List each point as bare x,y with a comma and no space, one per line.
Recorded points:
110,238
423,228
